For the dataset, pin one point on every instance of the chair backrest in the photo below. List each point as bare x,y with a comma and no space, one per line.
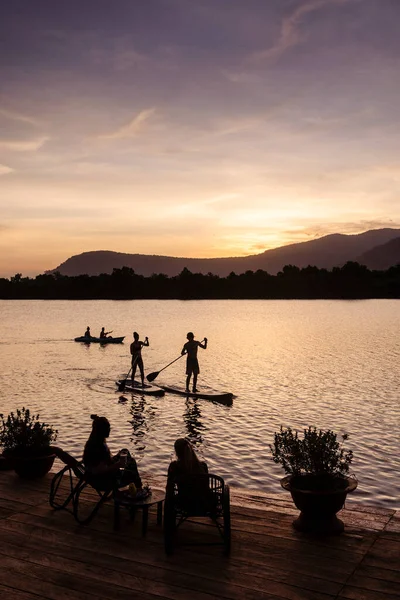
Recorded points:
197,494
71,462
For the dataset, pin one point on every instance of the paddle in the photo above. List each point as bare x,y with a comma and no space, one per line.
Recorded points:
151,376
122,383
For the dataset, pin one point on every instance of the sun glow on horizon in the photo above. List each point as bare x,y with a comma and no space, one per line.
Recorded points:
159,136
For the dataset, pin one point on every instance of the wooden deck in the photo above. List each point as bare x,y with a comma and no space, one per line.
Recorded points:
45,554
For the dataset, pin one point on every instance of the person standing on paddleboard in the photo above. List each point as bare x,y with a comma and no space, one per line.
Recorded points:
192,364
136,351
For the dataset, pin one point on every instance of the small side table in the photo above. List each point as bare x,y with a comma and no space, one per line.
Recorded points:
122,498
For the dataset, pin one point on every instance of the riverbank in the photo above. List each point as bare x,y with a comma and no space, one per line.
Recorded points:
44,553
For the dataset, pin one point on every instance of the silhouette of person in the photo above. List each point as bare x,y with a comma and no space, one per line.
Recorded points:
136,351
87,332
99,461
192,364
187,462
104,334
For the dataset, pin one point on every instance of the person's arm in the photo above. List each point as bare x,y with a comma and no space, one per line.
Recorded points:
204,346
184,350
146,342
131,349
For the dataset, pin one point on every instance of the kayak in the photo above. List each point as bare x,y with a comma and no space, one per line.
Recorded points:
223,398
96,340
149,390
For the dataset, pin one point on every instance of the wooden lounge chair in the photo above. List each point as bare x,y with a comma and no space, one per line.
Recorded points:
69,483
197,496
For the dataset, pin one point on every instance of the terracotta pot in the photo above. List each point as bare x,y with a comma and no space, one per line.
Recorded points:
318,499
32,467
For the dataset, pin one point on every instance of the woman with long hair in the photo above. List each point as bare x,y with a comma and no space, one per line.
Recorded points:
187,462
99,461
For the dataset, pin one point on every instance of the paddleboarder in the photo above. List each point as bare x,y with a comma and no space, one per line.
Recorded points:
87,332
192,364
136,351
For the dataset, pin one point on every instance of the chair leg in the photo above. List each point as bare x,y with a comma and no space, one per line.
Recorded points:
104,496
116,515
169,530
55,484
227,524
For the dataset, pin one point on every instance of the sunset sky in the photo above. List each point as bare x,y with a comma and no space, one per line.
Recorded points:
196,128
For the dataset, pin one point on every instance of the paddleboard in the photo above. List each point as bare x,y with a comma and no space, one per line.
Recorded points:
149,390
223,398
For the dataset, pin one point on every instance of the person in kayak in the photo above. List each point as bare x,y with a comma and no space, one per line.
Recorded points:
136,352
108,469
87,332
104,334
192,364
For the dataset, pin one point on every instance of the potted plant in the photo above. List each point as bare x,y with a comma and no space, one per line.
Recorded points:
26,443
317,467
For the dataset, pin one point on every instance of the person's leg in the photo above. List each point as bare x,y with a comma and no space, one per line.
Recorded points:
131,473
195,382
188,373
134,365
141,369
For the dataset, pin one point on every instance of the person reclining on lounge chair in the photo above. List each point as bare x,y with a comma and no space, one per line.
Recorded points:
99,461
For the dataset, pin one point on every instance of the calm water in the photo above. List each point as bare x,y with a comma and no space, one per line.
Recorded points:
332,364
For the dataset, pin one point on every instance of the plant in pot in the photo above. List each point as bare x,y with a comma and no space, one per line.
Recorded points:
26,443
317,467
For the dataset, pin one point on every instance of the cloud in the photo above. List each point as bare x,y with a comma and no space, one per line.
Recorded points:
347,227
291,34
23,145
4,170
15,116
131,129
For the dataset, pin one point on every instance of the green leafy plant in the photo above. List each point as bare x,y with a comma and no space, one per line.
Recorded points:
317,452
24,434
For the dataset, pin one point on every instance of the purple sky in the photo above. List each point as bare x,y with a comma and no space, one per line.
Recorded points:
194,127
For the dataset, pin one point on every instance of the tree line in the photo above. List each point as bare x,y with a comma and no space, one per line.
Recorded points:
352,281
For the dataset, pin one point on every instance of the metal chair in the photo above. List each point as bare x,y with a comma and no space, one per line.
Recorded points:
200,495
77,480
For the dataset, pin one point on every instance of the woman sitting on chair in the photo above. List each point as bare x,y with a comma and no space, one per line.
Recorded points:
99,462
187,463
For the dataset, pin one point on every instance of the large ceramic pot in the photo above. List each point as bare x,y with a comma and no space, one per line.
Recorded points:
32,467
318,498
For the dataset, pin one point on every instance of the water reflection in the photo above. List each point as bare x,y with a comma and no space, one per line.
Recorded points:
192,420
141,414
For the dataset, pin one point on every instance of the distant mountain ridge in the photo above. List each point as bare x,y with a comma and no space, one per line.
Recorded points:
377,246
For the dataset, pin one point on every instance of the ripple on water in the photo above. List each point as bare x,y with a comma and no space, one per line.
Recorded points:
292,363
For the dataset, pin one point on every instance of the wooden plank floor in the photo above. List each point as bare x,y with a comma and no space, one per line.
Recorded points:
45,554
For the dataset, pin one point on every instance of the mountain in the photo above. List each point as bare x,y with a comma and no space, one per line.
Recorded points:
326,252
382,257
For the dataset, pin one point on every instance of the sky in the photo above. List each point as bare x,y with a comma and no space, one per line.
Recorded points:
198,128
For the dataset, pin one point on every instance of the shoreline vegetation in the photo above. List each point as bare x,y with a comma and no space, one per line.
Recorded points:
352,281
